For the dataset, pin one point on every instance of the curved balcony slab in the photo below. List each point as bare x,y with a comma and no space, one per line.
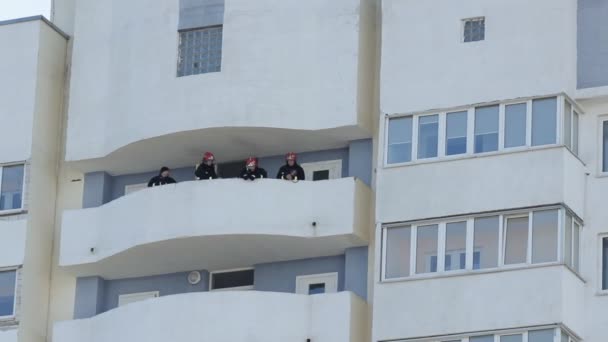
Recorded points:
188,225
234,316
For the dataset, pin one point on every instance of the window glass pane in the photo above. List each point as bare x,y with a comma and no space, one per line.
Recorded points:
544,236
398,252
486,129
605,147
564,337
568,124
512,338
456,133
11,188
568,241
544,121
316,288
428,135
400,140
575,134
486,242
7,292
455,245
485,338
516,240
515,125
474,30
575,244
605,263
541,335
426,249
226,280
200,51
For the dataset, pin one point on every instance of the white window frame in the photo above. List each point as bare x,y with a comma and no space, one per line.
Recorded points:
23,188
470,109
237,288
132,188
330,280
144,295
13,316
334,167
600,263
470,248
600,158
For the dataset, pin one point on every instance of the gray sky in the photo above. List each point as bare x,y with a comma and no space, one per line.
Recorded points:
11,9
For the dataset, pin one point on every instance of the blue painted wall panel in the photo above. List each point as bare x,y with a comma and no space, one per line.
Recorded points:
355,270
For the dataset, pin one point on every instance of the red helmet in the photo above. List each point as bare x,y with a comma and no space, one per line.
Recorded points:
208,156
291,156
251,161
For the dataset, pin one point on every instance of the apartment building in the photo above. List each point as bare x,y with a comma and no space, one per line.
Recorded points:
455,154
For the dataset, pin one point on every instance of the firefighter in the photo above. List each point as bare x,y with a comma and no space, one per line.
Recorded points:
252,171
291,170
164,177
206,170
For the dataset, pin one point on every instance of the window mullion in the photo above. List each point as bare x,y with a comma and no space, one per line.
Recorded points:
559,135
470,240
501,127
441,247
470,130
501,240
413,243
529,248
524,337
529,123
561,223
442,132
383,256
415,129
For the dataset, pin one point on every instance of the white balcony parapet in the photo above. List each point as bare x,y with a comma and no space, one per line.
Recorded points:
234,316
187,225
9,335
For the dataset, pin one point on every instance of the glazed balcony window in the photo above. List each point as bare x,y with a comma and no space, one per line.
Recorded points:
11,187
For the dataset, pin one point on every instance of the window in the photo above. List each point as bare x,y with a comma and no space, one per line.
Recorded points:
232,280
11,187
400,140
605,263
605,146
456,133
474,29
426,247
544,236
136,297
486,241
512,338
575,118
486,129
516,240
515,125
544,121
539,334
317,283
485,338
324,170
200,51
518,237
545,335
8,281
499,127
428,134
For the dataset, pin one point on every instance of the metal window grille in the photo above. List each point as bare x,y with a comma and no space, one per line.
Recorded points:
200,51
474,29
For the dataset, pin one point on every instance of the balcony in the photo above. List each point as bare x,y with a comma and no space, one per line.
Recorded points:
482,183
483,302
186,226
12,243
126,99
233,316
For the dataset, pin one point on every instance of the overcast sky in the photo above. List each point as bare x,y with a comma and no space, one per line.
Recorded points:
11,9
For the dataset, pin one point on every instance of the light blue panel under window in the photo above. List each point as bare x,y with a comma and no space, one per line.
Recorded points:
605,147
486,129
515,125
400,140
12,187
7,293
541,335
485,338
456,133
428,136
512,338
544,121
605,264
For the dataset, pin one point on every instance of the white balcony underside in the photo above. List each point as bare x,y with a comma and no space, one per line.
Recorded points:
241,316
188,225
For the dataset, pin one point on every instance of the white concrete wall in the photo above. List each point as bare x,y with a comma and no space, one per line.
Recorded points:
286,64
8,335
18,88
220,213
481,302
12,242
234,316
529,49
477,184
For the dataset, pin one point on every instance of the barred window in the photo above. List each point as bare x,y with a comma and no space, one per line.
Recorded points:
200,51
474,29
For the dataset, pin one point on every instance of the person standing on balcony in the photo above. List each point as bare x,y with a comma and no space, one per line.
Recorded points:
291,170
206,170
164,177
252,171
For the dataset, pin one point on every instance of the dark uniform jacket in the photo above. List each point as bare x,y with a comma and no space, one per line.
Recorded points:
205,171
160,180
295,170
253,175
